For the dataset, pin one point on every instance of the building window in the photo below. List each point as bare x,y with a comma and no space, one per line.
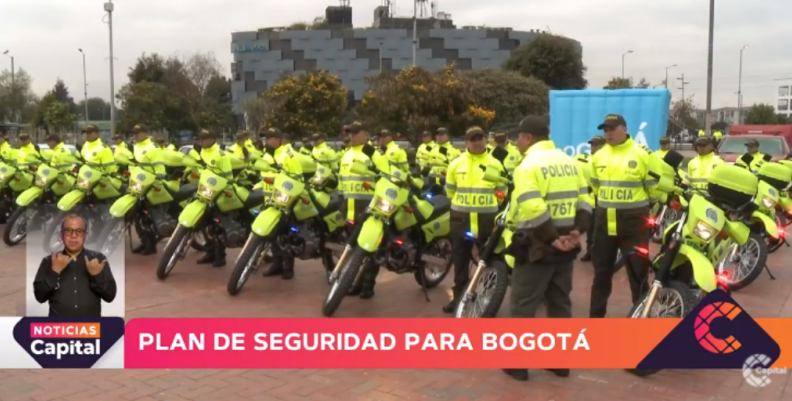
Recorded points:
783,91
783,104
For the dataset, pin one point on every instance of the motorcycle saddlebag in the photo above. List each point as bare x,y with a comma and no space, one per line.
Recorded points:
163,222
775,174
732,185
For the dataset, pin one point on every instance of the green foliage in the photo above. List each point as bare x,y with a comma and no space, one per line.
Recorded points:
17,101
761,114
555,60
416,100
168,94
52,115
626,83
510,95
682,116
98,109
305,104
783,119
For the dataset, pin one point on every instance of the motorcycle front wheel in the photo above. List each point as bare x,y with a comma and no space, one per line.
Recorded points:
247,263
346,279
675,300
112,235
488,295
747,265
174,251
16,228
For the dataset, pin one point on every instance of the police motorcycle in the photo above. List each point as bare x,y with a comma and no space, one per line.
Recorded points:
37,204
684,271
220,209
15,180
151,203
774,178
302,217
90,198
491,278
400,231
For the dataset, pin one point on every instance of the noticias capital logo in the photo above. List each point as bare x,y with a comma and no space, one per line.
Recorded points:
702,327
65,339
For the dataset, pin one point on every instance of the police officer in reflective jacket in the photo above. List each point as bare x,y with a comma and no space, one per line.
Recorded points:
624,177
474,205
149,157
356,197
212,156
550,208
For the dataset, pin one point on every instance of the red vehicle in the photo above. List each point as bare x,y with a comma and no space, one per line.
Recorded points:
774,140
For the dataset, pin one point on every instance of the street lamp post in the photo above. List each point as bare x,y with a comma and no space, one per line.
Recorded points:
707,117
739,88
628,52
667,68
13,87
85,85
109,7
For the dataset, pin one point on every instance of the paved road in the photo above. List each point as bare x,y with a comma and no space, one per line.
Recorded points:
199,291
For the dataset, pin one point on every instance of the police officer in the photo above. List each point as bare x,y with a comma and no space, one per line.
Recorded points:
149,157
277,152
324,154
392,152
307,146
95,153
474,205
583,162
701,132
356,197
752,147
213,156
120,144
422,154
441,156
551,207
490,141
509,157
623,175
239,149
59,160
701,166
717,136
8,153
161,142
27,148
665,146
251,144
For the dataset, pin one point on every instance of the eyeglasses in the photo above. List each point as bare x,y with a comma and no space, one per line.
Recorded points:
73,232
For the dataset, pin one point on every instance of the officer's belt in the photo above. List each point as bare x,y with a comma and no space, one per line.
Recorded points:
469,190
358,196
619,184
692,180
601,204
551,196
474,209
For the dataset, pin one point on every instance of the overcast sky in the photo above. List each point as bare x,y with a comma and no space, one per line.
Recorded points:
44,35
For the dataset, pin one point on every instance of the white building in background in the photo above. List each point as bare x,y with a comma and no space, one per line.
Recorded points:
783,104
727,115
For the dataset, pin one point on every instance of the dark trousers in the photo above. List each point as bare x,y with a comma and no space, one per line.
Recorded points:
538,282
590,235
603,257
463,248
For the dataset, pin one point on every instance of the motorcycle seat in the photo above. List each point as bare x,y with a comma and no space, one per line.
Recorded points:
442,204
256,198
185,192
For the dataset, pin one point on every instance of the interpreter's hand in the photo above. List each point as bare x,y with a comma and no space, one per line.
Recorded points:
60,261
94,266
574,234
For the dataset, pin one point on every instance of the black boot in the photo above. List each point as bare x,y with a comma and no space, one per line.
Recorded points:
369,280
276,268
149,247
586,257
140,247
517,374
220,260
559,372
451,306
206,259
287,272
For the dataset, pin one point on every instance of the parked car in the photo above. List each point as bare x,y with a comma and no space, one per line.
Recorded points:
733,146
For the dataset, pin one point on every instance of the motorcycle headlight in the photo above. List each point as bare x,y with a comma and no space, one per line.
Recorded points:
205,191
318,179
83,183
41,180
136,187
384,205
704,231
281,197
2,177
768,203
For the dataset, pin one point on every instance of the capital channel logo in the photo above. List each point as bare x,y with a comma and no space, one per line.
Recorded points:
717,334
68,342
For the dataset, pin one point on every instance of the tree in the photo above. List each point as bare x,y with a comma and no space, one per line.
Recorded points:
556,60
783,119
626,83
17,101
254,109
761,114
305,104
200,69
510,95
98,109
52,115
416,100
682,116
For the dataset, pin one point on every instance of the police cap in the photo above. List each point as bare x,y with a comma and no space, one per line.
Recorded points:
474,132
23,137
139,128
53,138
356,127
272,133
612,120
752,143
205,134
90,128
535,125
